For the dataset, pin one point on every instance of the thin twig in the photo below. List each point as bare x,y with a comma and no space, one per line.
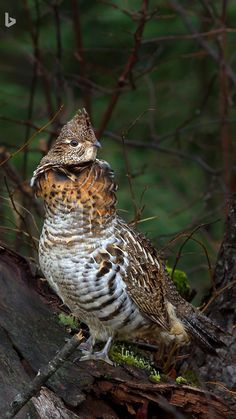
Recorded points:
24,233
208,260
22,219
43,72
165,150
128,174
27,123
224,104
127,70
35,37
201,41
15,177
31,138
217,293
183,244
217,383
59,78
80,55
137,209
208,34
42,376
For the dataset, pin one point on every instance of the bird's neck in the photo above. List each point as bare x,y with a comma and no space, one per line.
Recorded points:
87,195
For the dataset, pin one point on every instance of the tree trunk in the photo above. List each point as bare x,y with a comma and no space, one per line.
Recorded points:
222,370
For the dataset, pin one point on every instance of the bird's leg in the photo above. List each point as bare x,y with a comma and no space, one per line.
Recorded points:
87,346
100,355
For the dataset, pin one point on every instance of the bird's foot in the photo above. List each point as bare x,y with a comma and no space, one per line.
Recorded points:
87,346
97,356
100,355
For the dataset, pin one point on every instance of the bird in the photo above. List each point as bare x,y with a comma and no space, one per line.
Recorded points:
107,273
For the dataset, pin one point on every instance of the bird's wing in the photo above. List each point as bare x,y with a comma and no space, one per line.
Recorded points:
143,275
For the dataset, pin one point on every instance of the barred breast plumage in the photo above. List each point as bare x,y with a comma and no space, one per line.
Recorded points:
109,275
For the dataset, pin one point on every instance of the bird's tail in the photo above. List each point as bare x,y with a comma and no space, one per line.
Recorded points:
204,331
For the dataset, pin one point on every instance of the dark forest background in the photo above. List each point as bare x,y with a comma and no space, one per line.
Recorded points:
158,79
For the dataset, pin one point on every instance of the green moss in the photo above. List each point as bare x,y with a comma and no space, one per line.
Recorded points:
180,280
68,320
181,380
127,354
191,378
155,377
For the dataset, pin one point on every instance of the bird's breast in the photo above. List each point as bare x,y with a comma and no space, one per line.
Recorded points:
88,276
82,254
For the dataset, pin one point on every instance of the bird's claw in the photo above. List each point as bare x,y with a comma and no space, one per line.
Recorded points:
85,347
96,356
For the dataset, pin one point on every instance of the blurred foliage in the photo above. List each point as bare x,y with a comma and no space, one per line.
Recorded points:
170,104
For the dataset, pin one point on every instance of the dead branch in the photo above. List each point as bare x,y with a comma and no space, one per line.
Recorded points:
127,70
35,38
208,34
173,152
15,177
224,104
80,55
201,41
33,30
221,309
26,123
43,375
21,148
59,76
82,386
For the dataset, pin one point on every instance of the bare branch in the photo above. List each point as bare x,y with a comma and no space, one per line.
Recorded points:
31,138
38,56
165,150
208,34
127,71
80,55
224,104
189,236
43,375
13,174
201,41
26,123
59,77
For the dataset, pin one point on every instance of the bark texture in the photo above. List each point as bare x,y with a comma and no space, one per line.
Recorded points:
221,371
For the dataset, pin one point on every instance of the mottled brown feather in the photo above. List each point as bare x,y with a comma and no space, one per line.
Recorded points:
76,180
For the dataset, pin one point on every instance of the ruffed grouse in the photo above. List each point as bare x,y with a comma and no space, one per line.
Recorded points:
108,274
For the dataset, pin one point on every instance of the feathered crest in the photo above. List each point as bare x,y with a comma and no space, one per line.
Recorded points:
76,145
78,127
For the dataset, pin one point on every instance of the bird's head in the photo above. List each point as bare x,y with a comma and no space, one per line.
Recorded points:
75,146
76,143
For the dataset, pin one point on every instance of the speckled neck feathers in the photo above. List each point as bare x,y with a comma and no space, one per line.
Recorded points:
89,192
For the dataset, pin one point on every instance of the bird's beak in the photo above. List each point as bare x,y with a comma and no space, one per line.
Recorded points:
98,144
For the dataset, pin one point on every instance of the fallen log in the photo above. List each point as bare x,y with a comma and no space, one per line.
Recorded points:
30,338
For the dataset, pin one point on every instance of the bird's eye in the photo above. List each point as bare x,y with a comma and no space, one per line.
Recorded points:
74,143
